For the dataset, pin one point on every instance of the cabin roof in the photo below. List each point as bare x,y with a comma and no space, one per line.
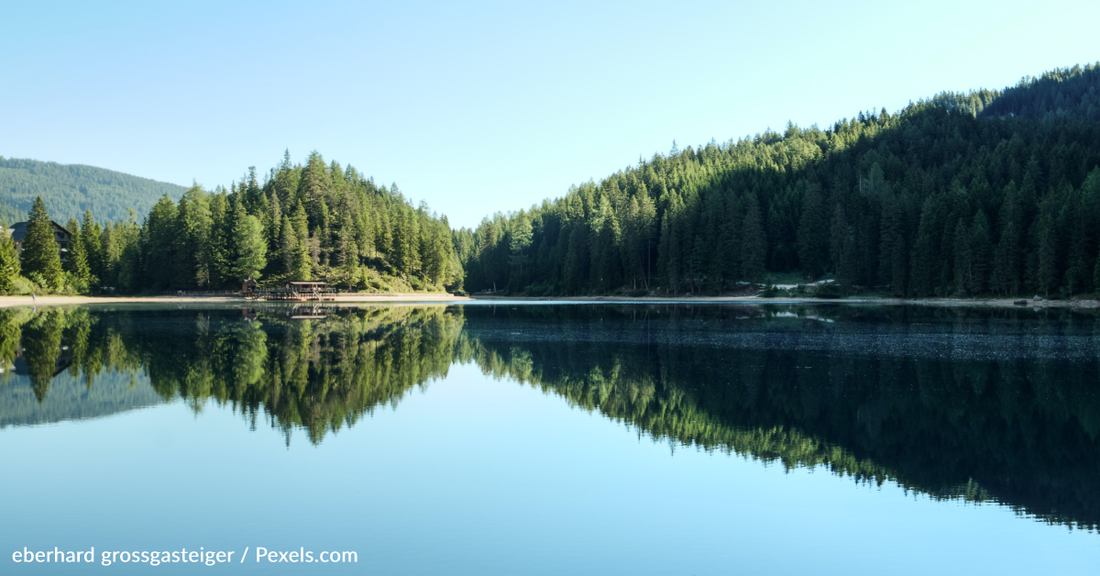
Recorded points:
18,231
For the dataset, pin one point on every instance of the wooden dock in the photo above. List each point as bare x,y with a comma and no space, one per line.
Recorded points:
293,292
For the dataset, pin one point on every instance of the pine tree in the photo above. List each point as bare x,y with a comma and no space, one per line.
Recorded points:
812,234
647,231
161,234
981,253
77,262
250,247
9,260
217,256
288,246
194,224
520,242
40,251
1048,255
92,236
838,235
730,241
664,267
302,263
275,231
605,239
963,263
1006,262
926,258
753,243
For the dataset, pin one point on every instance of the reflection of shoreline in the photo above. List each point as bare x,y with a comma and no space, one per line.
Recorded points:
1012,430
9,301
70,399
930,302
987,405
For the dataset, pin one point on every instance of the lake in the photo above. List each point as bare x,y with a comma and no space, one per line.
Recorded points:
549,438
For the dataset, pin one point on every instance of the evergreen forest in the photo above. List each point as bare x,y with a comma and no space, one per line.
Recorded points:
312,221
983,193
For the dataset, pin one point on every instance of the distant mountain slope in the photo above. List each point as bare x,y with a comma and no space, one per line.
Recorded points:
70,188
70,398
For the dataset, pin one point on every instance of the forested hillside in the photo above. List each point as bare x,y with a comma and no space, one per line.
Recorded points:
315,221
990,192
69,189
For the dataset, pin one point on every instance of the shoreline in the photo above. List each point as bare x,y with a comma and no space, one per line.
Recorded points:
934,302
411,298
50,300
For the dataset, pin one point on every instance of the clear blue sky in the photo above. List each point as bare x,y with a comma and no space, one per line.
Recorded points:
480,107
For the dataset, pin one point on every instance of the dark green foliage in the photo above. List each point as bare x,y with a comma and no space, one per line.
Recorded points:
812,234
320,377
1060,93
979,193
40,258
1023,429
9,260
301,223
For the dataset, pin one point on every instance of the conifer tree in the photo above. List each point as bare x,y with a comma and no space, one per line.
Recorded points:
754,242
1047,278
520,243
926,258
77,261
812,234
647,231
217,256
160,245
981,253
91,234
250,249
838,235
9,260
963,264
1006,262
40,251
288,246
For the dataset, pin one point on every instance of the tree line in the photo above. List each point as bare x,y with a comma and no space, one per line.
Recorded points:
302,222
990,192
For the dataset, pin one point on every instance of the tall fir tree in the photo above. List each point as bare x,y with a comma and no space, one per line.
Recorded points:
40,257
753,242
9,260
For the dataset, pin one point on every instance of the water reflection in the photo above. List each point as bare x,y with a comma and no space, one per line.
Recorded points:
988,406
301,369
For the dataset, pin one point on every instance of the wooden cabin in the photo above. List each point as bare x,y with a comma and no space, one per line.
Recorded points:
63,237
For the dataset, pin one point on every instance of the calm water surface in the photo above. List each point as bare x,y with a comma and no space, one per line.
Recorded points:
555,439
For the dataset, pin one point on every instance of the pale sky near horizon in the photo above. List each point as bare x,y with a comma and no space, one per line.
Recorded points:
484,107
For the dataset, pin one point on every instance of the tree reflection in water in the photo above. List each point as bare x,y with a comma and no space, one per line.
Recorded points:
989,406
